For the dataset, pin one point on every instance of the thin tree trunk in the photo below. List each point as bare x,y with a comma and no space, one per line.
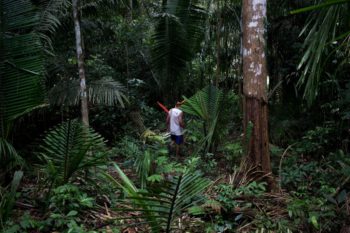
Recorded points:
255,83
80,58
218,46
129,19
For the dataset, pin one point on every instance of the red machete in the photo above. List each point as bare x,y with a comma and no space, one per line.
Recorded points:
163,107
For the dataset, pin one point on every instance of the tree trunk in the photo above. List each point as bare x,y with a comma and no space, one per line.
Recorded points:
255,83
218,46
80,57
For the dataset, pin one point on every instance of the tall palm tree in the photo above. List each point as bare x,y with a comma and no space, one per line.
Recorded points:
21,70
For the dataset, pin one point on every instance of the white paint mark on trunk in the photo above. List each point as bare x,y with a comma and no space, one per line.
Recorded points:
258,70
253,24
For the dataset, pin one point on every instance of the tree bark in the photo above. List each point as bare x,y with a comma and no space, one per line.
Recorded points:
255,83
218,46
80,58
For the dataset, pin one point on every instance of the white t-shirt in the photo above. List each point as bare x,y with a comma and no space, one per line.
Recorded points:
175,128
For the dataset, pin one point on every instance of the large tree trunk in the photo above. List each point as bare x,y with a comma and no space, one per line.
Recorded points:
255,83
80,57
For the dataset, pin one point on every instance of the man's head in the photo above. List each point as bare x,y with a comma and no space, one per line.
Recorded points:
179,103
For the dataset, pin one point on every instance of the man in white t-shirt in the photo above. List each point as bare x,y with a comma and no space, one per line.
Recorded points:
175,126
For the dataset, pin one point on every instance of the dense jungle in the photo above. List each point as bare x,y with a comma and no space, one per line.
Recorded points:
88,89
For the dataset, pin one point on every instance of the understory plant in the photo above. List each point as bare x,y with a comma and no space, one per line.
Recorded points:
69,150
8,198
161,207
210,105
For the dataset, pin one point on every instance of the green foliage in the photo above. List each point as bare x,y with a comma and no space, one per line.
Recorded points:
51,12
194,130
227,194
21,70
9,156
21,59
325,32
267,225
153,118
313,211
283,131
103,92
230,205
143,167
69,149
233,152
67,204
161,207
303,178
128,54
128,147
209,163
153,165
178,32
299,175
26,223
67,198
8,198
317,141
209,105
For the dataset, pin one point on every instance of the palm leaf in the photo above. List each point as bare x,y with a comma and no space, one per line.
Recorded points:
21,60
8,197
322,29
160,208
51,13
9,156
176,38
70,148
319,6
105,92
21,69
207,105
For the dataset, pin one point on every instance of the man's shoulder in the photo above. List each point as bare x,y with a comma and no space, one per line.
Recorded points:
176,110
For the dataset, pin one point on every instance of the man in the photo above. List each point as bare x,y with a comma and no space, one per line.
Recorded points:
175,125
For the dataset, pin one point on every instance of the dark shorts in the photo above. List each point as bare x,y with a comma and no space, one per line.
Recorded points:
178,139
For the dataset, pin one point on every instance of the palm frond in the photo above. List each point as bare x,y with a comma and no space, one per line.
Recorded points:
161,208
322,30
21,64
21,70
51,13
319,6
105,92
8,197
206,104
69,148
8,156
176,37
143,166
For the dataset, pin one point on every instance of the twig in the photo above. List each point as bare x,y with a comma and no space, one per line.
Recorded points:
280,165
24,205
